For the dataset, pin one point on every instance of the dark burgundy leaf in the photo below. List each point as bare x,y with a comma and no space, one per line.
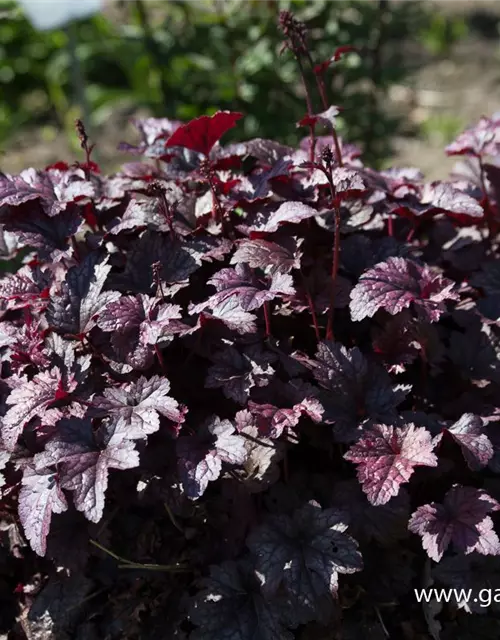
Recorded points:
83,460
469,433
474,353
356,390
230,606
488,279
200,457
75,303
461,520
385,523
30,185
176,264
271,257
237,373
56,609
37,229
242,285
288,212
137,324
305,553
396,284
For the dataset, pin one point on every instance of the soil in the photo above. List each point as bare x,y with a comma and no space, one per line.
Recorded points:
446,95
457,89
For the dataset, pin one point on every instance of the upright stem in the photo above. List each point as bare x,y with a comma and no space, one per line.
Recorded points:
324,101
390,226
308,103
411,233
267,319
336,248
489,220
335,269
311,308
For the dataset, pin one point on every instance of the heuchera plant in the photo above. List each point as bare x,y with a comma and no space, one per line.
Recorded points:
249,391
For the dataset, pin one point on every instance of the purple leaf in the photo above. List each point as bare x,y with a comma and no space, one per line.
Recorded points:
137,406
35,228
305,553
83,459
230,313
476,141
175,261
346,180
80,298
469,434
29,185
288,212
144,213
444,197
55,189
387,456
260,469
39,498
29,399
26,288
136,324
271,257
272,421
200,457
396,284
267,152
461,520
356,390
237,373
242,285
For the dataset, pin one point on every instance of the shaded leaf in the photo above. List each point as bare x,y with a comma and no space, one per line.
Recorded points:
461,520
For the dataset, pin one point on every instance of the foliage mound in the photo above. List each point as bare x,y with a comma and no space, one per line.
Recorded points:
250,391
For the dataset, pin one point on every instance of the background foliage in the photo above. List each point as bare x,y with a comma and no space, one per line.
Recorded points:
184,59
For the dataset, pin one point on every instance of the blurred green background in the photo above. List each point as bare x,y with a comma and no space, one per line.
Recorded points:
184,59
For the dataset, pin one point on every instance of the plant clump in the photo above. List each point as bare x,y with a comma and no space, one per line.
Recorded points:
250,391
